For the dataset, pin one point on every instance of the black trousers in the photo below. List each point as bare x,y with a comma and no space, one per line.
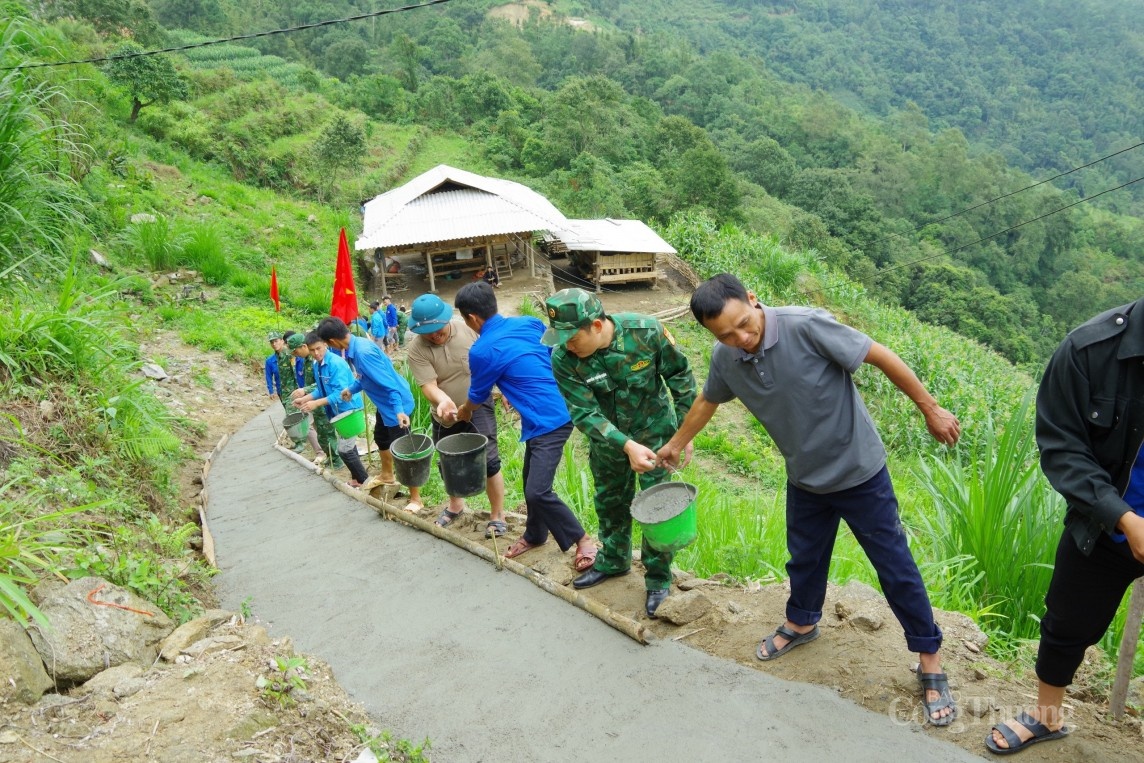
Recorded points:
1083,597
546,512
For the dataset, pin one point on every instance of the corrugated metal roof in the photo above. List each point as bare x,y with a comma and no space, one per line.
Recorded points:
446,203
613,236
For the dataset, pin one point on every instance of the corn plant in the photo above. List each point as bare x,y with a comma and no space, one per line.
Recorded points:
991,504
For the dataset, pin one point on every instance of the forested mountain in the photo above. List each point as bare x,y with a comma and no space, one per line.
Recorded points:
741,109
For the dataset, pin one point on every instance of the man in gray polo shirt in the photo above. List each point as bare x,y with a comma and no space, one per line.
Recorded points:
791,367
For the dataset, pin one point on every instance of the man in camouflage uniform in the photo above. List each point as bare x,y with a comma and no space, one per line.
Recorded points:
288,382
325,439
616,373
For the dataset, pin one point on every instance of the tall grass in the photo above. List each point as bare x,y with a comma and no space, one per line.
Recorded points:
40,206
159,242
205,250
994,511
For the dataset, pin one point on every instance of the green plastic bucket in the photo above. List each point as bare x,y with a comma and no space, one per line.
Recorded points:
667,514
349,424
296,424
412,457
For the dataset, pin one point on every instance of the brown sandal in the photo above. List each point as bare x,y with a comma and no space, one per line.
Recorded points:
519,547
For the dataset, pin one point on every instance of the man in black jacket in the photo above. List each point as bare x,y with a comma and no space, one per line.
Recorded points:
1090,426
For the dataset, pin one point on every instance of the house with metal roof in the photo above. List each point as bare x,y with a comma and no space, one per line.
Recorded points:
460,222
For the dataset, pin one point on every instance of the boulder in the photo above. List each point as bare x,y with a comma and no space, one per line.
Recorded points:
190,632
106,681
22,674
684,608
95,625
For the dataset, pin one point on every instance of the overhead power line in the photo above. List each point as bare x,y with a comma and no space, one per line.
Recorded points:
983,239
251,36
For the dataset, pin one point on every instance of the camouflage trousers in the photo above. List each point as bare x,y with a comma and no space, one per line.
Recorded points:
615,488
327,437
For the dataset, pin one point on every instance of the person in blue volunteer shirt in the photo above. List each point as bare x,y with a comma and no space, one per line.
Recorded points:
509,355
390,324
387,389
332,376
377,329
270,368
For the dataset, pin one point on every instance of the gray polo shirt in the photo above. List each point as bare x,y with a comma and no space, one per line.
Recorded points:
799,386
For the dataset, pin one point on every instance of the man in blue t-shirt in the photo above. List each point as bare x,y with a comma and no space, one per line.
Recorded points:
508,354
792,368
390,324
270,367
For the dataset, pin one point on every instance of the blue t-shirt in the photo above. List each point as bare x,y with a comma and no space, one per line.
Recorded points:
331,376
376,375
509,355
273,381
1134,494
391,315
377,324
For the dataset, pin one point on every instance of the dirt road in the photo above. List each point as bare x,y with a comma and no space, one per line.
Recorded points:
435,642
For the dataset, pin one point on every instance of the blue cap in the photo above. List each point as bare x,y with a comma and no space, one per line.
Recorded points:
429,314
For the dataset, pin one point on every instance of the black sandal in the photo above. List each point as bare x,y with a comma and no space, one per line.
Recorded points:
938,682
446,518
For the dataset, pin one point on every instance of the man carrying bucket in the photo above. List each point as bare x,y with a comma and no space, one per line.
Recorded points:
438,356
509,355
320,417
386,388
792,368
619,375
332,376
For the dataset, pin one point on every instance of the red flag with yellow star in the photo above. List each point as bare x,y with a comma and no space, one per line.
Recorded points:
344,304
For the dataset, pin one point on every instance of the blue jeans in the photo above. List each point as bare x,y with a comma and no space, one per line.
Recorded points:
871,512
546,512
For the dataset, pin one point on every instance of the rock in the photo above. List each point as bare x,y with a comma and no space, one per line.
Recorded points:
214,644
979,674
87,636
978,707
129,687
366,756
868,620
22,674
1136,691
971,646
99,260
107,680
843,610
311,218
142,217
257,635
684,608
183,636
257,720
734,607
692,583
47,410
153,371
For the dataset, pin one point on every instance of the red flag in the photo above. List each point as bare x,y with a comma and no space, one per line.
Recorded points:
344,304
274,289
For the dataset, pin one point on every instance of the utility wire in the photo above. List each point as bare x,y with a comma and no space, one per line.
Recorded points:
1034,185
954,250
250,36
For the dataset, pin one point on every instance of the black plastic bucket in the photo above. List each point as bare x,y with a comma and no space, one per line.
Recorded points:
412,457
463,463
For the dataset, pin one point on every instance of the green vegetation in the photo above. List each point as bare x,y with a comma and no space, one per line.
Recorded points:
278,688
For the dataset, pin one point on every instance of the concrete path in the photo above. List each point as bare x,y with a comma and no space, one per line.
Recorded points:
436,643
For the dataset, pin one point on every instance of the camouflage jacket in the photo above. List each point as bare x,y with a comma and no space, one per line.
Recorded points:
622,391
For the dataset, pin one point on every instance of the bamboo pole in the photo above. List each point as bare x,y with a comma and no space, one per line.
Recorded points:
1128,644
623,624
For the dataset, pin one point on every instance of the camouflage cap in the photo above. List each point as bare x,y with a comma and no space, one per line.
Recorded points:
569,310
295,341
273,335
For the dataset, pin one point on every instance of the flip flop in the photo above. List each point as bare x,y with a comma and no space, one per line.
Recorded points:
445,518
938,682
496,528
412,507
584,560
520,547
1040,731
794,638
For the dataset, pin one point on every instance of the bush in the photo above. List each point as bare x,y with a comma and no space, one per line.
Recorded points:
205,251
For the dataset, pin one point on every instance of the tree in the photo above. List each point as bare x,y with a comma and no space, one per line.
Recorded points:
341,144
149,79
133,17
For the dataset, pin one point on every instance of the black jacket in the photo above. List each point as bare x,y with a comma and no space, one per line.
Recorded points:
1090,419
